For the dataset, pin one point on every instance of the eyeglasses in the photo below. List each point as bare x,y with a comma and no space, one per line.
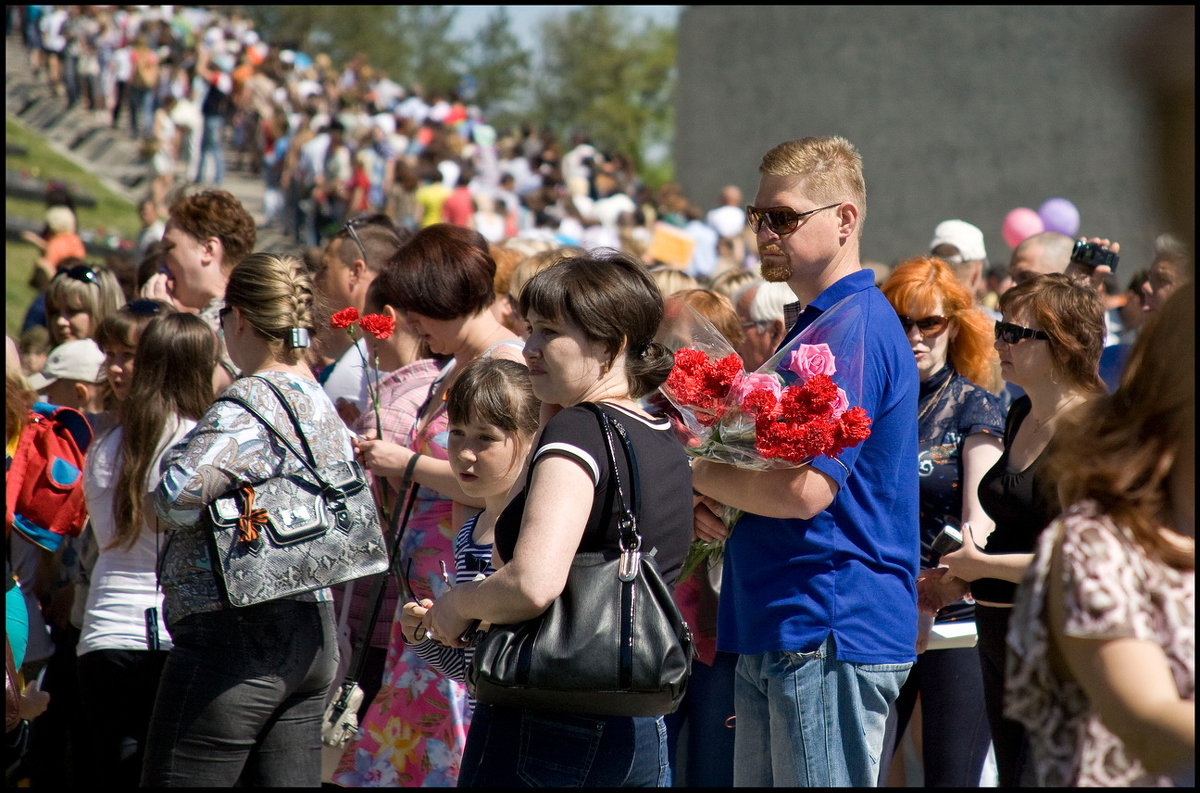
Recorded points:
756,323
81,272
1009,333
932,325
349,229
144,308
222,314
781,220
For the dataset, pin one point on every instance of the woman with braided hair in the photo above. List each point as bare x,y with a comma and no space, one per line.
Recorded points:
243,690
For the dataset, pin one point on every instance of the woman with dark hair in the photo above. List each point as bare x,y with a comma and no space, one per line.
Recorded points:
442,281
1102,658
1049,340
960,421
592,326
243,690
159,403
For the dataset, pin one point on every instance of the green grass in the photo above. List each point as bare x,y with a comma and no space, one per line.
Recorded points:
112,213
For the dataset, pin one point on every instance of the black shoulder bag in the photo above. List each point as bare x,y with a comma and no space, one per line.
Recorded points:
612,644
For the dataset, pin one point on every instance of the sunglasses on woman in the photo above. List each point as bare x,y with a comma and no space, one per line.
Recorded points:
781,220
1009,333
932,325
81,272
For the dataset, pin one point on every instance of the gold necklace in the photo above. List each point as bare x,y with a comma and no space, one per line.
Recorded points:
933,400
1038,424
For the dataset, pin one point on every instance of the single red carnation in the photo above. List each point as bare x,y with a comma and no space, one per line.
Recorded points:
760,401
344,318
852,428
379,325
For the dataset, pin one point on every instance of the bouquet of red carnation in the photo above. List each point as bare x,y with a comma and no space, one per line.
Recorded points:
795,407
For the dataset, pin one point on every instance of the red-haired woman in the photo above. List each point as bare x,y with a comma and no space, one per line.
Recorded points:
959,424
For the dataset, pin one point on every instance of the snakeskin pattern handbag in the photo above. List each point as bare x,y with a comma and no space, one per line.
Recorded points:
297,532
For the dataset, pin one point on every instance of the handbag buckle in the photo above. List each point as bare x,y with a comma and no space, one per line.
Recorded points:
627,570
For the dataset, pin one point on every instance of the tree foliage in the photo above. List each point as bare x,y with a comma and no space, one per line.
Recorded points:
498,63
608,76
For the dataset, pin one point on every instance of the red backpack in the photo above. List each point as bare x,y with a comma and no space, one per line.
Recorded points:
44,487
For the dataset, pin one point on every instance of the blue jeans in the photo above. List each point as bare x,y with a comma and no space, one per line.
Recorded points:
705,711
806,719
210,147
513,747
241,697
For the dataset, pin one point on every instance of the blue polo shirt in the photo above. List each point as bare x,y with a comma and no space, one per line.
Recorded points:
851,569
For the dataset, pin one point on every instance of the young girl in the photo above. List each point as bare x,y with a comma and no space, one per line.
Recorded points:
78,299
119,664
493,417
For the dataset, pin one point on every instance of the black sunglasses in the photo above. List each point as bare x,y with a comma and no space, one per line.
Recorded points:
81,272
932,325
1009,333
781,220
145,308
349,228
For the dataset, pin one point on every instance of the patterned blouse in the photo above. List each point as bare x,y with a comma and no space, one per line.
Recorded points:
1111,590
950,409
226,447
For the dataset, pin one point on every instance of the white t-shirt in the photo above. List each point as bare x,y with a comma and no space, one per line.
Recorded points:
348,380
727,221
123,583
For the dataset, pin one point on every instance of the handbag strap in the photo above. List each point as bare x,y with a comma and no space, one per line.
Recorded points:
627,522
306,458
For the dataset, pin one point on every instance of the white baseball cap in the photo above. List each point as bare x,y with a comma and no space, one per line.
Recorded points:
79,359
962,235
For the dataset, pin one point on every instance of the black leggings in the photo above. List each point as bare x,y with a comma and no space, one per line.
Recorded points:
117,690
1008,736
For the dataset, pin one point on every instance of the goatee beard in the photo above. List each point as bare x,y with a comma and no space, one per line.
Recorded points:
776,270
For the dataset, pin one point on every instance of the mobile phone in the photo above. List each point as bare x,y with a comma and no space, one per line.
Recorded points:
948,540
1089,254
152,628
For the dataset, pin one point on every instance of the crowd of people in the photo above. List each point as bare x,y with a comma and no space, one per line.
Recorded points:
1041,414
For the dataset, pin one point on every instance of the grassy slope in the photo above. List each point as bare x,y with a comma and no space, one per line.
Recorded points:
112,213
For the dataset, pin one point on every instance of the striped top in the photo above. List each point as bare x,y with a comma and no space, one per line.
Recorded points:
472,562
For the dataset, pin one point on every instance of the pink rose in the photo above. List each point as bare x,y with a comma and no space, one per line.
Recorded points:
810,360
840,404
746,382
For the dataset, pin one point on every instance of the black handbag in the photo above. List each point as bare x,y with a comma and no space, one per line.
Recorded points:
297,532
612,644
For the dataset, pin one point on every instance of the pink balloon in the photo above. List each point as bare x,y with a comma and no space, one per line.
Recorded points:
1020,224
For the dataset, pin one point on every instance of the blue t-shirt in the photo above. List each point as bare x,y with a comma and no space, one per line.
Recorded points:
850,570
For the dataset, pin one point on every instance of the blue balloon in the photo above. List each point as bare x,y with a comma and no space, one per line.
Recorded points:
1059,214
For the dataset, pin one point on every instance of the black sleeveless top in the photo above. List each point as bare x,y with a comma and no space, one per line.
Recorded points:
1020,505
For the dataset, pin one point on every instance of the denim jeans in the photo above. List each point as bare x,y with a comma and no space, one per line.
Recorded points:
705,711
513,747
806,719
241,697
210,148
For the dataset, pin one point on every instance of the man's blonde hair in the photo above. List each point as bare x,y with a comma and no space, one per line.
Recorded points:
831,168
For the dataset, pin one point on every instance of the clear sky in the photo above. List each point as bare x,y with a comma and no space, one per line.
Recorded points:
526,19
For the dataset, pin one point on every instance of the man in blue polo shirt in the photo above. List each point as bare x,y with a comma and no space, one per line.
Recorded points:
819,593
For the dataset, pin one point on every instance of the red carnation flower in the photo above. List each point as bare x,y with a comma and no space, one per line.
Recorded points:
344,318
379,325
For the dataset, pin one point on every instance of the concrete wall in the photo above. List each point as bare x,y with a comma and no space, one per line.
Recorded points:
958,112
